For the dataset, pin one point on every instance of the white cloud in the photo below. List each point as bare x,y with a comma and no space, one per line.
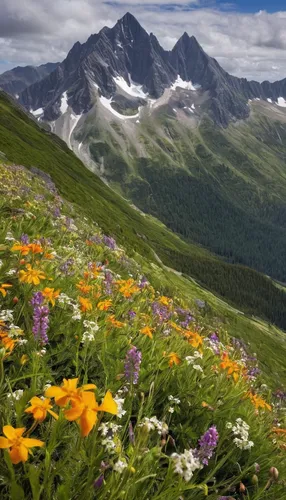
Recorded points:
250,45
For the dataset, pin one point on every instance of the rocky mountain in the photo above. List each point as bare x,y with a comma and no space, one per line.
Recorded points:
17,79
128,52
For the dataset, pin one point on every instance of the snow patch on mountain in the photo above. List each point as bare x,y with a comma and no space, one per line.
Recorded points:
75,119
64,103
182,84
38,112
269,100
133,89
107,104
281,102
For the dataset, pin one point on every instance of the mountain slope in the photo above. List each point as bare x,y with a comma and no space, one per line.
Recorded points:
18,79
24,142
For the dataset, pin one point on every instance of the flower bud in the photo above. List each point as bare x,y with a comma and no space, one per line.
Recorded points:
254,479
242,488
274,473
15,300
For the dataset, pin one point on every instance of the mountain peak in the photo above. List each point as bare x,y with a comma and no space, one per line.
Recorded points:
129,19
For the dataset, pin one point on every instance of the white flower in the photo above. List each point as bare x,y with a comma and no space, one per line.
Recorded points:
171,409
186,464
7,315
154,424
240,430
120,403
22,341
174,400
47,385
9,237
119,466
11,272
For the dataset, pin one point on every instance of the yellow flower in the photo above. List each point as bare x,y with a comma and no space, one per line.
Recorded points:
32,276
146,330
104,305
39,408
85,410
51,294
68,391
194,339
127,287
3,288
86,305
17,444
24,359
165,301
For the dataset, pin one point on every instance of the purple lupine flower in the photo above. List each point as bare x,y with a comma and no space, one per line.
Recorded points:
131,314
96,239
37,299
214,337
162,312
186,322
208,443
200,303
132,364
57,212
108,281
109,242
143,282
25,239
66,267
40,318
253,372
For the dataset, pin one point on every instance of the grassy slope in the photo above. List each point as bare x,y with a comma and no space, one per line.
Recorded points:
24,143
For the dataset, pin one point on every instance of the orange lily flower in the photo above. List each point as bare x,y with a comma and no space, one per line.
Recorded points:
232,367
39,408
68,391
165,301
146,330
23,249
3,288
127,287
17,444
84,288
173,359
51,294
104,305
35,248
115,322
258,402
32,276
194,339
86,305
176,327
87,408
49,256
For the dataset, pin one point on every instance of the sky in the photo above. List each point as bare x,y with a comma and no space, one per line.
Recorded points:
247,37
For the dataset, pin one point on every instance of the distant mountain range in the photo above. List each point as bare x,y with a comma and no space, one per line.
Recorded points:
18,79
129,52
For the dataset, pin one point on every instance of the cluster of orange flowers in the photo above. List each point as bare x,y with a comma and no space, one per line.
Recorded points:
233,368
127,287
258,401
79,405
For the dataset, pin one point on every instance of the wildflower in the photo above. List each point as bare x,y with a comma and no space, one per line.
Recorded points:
240,429
32,276
146,330
40,318
119,466
258,402
153,424
208,443
39,408
104,305
68,391
17,444
117,324
23,249
165,301
24,359
98,482
132,364
186,464
84,288
127,288
51,295
120,402
17,395
85,410
174,400
86,305
35,248
173,359
3,288
194,339
232,367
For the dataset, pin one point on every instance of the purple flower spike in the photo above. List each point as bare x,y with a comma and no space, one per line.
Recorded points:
40,318
208,443
132,364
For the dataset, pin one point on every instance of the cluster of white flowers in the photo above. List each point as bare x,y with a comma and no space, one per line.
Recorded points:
89,334
11,272
186,464
6,315
119,466
240,429
9,237
153,424
66,300
16,395
175,401
192,359
109,431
